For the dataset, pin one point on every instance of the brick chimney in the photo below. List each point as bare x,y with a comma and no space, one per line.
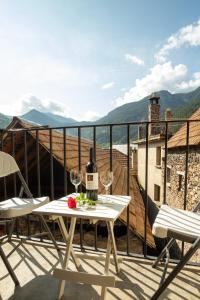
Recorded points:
154,114
141,132
169,117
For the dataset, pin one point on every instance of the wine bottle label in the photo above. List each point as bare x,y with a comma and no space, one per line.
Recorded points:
91,181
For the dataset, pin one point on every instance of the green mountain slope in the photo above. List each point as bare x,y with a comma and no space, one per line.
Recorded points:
4,120
61,120
47,118
187,110
137,111
182,105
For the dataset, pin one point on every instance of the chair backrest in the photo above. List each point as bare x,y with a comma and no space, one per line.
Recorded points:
8,164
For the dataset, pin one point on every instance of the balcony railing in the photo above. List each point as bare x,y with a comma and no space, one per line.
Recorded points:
16,141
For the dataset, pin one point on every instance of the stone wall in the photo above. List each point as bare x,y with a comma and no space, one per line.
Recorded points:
175,197
176,162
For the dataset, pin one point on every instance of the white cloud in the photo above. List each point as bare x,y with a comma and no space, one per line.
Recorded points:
90,116
190,84
134,59
29,102
161,76
188,35
108,85
123,89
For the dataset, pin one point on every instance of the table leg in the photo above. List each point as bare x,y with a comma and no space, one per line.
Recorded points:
67,256
114,248
107,262
65,236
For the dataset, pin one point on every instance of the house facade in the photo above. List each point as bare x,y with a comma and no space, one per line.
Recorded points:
156,142
155,157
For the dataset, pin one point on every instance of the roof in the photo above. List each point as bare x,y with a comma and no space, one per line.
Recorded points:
119,186
179,138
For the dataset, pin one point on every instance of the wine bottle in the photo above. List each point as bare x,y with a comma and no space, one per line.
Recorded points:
91,178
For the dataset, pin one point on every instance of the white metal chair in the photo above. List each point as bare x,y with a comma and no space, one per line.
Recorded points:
15,207
176,224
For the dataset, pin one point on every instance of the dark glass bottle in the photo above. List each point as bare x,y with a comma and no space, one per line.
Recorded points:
91,178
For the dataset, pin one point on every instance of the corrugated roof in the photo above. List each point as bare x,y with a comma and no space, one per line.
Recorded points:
119,186
179,138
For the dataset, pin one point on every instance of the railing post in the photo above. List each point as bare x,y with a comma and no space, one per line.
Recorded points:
95,155
94,141
25,157
38,163
186,173
128,190
186,165
51,165
111,157
146,190
26,174
165,164
51,171
38,174
79,167
65,162
13,154
4,179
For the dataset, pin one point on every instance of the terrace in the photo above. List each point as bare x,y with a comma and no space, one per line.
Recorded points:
34,263
42,151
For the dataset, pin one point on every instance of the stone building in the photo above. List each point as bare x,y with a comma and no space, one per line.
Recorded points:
176,165
156,142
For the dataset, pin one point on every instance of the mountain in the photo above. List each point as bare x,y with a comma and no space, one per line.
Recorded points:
4,120
187,110
182,105
47,119
60,119
137,111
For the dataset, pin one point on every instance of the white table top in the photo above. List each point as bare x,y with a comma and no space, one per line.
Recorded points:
101,211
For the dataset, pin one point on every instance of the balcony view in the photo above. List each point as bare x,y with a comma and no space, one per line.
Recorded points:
100,150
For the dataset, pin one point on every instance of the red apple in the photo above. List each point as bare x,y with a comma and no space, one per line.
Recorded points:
71,202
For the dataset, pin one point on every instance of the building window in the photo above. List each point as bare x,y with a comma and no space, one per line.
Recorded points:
156,192
180,182
168,174
181,175
158,156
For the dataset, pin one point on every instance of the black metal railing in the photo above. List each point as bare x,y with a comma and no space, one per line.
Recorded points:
11,143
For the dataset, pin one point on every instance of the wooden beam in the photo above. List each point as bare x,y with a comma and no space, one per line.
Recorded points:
92,279
96,257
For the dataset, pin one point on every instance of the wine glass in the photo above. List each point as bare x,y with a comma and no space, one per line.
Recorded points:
106,178
76,178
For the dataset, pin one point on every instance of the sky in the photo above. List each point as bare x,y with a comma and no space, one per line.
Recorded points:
84,58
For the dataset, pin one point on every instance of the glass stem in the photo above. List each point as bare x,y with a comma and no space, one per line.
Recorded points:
76,189
106,190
